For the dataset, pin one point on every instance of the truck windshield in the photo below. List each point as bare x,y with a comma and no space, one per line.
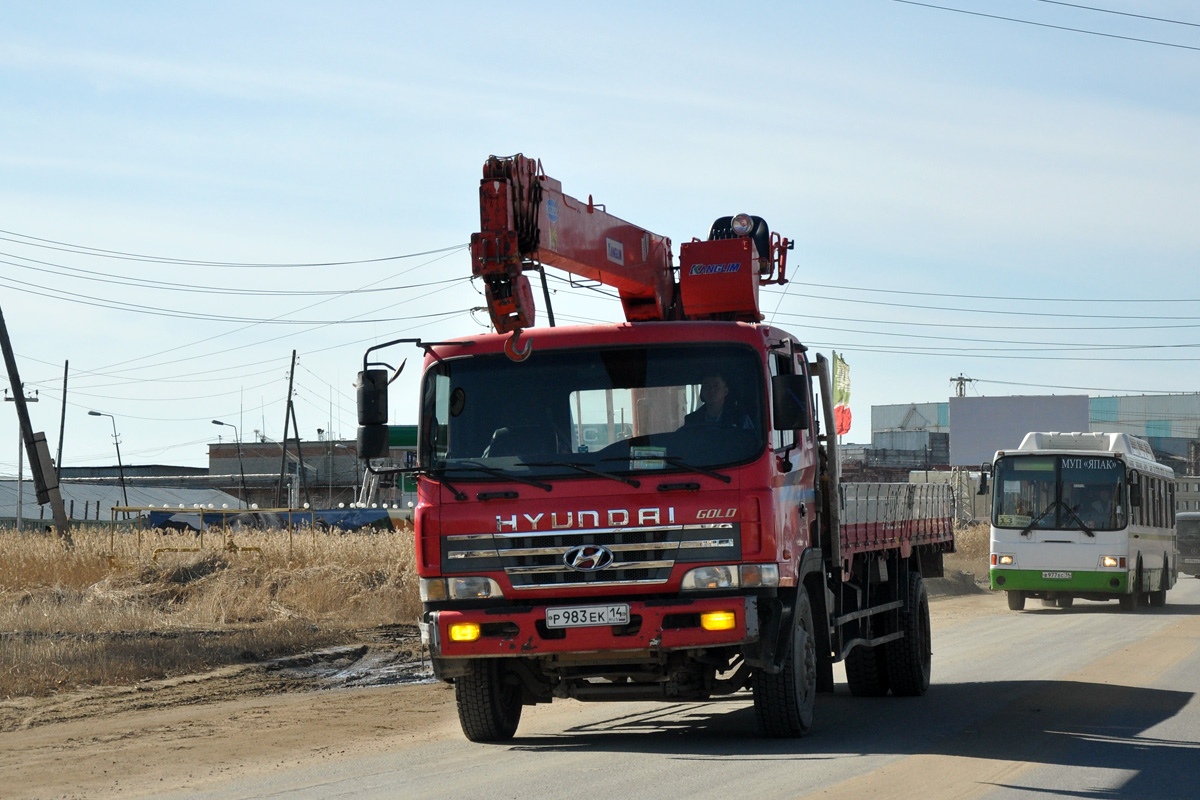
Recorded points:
1059,492
615,410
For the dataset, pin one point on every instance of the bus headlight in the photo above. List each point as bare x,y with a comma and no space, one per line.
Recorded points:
1003,560
465,587
1112,561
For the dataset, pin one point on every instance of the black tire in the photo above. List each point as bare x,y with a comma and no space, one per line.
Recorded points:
489,708
783,703
1158,598
1016,599
1131,601
1065,601
909,659
866,671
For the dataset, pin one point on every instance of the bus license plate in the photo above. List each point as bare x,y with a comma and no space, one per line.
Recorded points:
587,616
1191,561
1056,575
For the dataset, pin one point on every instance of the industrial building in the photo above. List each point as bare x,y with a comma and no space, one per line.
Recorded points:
918,436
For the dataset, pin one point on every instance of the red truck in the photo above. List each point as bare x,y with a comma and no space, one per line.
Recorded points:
648,510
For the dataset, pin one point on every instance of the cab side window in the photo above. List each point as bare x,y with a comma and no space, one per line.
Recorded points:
781,364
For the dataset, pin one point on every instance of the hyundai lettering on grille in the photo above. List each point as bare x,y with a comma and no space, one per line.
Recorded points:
588,557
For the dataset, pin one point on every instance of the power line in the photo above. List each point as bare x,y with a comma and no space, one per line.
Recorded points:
1121,13
1047,25
1002,297
1002,313
119,280
51,244
970,326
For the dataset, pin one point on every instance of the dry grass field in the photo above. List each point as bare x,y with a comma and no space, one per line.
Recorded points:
113,611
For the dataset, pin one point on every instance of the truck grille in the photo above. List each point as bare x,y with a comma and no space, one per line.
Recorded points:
538,560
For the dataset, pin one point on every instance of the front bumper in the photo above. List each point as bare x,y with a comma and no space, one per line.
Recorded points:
654,626
1058,581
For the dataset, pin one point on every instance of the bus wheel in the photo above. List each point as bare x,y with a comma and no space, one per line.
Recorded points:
909,658
866,671
1016,599
489,708
1065,601
783,703
1158,598
1131,601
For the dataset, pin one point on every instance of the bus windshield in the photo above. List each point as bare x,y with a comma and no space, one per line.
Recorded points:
1188,526
1059,492
578,412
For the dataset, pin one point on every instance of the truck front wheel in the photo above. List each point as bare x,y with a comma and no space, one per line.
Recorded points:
909,658
783,703
489,708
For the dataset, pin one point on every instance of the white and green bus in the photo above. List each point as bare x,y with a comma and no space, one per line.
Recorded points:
1083,515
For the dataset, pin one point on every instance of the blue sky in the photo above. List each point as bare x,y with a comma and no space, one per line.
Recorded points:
967,194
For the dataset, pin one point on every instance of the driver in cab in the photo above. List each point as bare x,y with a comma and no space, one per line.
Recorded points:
719,408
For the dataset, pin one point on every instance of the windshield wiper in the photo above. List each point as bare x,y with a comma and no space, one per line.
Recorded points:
679,462
589,470
1029,528
498,473
440,474
1078,521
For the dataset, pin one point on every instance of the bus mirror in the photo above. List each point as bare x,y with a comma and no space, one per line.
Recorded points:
984,469
1135,489
789,406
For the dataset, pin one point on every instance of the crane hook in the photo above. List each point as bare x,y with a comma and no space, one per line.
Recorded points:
511,349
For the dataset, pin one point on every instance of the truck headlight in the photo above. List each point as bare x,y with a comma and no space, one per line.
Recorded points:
731,576
464,587
760,575
720,577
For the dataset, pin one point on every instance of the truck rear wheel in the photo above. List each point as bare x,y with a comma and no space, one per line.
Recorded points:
909,658
489,708
783,703
866,671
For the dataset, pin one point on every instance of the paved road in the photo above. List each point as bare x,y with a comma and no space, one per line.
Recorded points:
1088,702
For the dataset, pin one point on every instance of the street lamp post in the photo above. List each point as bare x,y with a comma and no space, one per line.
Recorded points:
120,465
237,438
357,480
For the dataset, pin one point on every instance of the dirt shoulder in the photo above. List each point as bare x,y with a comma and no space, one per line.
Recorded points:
374,695
177,734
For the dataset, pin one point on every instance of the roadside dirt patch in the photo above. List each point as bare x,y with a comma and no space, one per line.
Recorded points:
378,657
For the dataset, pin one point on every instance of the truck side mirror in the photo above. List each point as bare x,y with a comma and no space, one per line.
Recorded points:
373,432
789,402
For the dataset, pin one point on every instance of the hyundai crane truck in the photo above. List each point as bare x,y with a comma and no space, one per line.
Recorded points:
647,510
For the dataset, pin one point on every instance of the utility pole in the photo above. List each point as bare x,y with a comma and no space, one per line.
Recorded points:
29,398
960,384
62,423
40,463
287,418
